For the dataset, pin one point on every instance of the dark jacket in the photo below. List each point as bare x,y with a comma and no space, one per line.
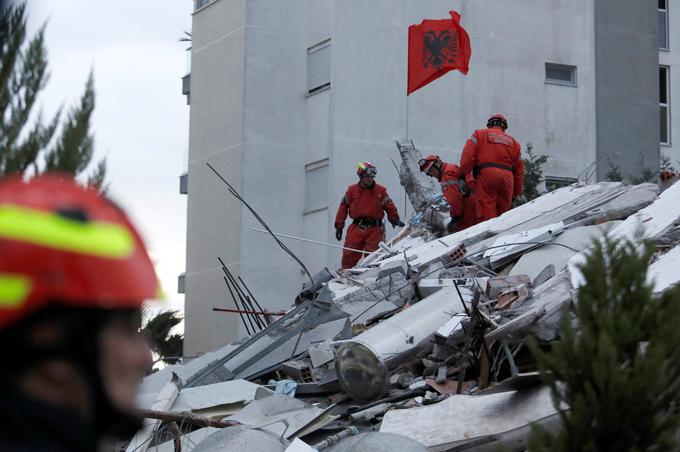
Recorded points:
28,425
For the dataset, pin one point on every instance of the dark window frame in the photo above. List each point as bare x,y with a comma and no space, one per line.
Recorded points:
572,70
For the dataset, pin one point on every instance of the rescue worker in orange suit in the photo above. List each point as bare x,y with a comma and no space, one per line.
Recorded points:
73,275
366,202
493,158
455,189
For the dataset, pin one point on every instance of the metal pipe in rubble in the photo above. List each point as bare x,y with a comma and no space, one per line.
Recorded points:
363,364
316,242
334,439
243,311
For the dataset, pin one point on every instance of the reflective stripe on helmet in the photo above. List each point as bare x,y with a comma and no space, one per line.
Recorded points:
14,290
54,231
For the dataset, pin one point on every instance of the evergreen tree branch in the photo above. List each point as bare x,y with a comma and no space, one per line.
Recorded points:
73,150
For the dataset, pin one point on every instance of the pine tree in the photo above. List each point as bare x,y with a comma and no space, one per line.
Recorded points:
614,174
619,372
26,148
533,175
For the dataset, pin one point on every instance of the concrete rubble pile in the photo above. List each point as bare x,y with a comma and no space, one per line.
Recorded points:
422,345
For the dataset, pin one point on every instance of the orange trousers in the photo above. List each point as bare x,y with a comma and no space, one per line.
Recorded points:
493,193
360,238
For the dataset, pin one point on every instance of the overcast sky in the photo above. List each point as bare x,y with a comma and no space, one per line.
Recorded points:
141,120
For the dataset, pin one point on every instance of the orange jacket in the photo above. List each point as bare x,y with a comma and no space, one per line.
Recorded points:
449,183
493,146
365,203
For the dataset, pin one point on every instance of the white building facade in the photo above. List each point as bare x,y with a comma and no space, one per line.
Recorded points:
286,97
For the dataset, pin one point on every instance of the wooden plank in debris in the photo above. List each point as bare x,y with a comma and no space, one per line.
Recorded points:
513,383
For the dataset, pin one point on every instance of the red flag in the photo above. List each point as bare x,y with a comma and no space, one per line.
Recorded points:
436,47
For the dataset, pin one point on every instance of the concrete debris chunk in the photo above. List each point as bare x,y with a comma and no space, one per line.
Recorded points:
494,419
363,364
425,338
241,439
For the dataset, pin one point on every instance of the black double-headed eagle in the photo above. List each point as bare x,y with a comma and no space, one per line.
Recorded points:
439,49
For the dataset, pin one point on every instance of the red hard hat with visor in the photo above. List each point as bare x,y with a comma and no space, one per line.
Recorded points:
66,245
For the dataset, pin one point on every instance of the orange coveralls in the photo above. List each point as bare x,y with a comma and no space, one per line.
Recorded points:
365,207
494,159
462,207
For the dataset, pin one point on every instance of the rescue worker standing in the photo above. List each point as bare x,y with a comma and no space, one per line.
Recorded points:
494,159
73,275
455,189
366,202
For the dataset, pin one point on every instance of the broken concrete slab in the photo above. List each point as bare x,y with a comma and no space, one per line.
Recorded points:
556,254
279,414
241,439
235,393
664,272
378,442
153,383
540,317
508,246
163,401
362,363
568,203
662,216
478,420
321,353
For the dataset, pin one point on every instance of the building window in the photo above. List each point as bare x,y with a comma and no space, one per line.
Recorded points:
560,74
201,3
186,87
181,283
555,182
663,24
319,67
664,104
316,186
184,184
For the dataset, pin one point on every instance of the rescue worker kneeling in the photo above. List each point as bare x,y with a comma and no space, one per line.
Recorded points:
365,202
457,191
494,159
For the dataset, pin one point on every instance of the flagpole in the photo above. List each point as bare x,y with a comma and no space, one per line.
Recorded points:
407,96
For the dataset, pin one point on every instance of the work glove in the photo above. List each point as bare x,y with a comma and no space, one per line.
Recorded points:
452,226
396,223
338,234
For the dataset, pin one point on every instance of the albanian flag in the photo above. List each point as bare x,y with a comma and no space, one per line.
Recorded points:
436,47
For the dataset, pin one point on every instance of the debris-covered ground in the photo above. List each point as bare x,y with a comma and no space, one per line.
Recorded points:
422,345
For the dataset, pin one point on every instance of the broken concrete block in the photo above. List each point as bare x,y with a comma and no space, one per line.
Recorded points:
499,284
298,370
321,353
362,364
378,442
241,439
494,417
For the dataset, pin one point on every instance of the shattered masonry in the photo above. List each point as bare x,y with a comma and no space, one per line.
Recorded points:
431,324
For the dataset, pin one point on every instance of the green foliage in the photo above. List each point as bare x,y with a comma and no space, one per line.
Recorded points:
614,174
533,173
167,346
646,175
619,373
35,148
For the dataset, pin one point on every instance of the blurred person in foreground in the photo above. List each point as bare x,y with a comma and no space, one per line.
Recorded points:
73,275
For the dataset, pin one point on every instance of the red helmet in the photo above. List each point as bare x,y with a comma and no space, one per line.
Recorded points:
366,168
66,245
497,120
426,163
